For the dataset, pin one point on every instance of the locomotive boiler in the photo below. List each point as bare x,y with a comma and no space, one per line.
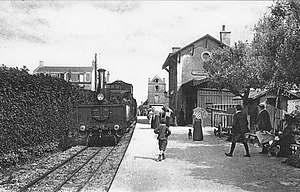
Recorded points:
112,114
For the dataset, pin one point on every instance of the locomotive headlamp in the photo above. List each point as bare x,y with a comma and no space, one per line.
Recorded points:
100,96
82,128
116,127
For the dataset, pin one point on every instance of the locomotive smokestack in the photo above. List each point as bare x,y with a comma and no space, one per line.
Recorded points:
101,74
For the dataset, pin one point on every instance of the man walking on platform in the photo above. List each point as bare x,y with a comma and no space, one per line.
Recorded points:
239,128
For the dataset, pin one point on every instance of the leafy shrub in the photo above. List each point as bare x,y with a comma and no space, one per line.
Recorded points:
35,110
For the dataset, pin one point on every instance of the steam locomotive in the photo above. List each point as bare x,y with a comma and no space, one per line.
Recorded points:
112,114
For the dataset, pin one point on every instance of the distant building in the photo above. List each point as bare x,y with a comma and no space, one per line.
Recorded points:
81,76
157,91
188,79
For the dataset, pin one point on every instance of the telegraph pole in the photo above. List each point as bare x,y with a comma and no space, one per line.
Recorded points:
95,71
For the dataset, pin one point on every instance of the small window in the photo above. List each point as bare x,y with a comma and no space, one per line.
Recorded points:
74,77
61,76
205,55
156,80
81,77
88,77
156,88
156,99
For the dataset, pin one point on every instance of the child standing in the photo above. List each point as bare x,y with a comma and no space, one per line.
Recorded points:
163,133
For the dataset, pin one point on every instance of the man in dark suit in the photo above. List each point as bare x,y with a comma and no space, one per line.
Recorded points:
263,123
239,128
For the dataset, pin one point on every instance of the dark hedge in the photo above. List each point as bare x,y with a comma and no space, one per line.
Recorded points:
35,113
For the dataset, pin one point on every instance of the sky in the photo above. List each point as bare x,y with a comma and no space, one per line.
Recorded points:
132,39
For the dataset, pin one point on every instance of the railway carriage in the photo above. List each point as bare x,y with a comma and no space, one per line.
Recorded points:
112,114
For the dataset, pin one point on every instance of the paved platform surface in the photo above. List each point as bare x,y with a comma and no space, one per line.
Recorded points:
199,166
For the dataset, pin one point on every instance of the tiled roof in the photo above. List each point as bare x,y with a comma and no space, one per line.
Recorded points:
44,69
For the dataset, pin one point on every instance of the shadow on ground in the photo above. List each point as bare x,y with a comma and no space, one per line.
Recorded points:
257,173
140,157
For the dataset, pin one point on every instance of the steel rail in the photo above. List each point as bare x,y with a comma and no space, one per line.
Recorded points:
94,172
76,170
30,184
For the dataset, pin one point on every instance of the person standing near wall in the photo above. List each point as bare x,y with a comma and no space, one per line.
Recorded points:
156,118
168,116
198,115
181,118
150,117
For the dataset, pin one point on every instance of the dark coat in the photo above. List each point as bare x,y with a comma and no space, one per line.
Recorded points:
240,123
163,132
264,122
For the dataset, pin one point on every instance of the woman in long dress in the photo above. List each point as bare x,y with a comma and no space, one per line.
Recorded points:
198,115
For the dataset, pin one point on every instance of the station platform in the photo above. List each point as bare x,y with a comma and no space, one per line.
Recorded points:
196,166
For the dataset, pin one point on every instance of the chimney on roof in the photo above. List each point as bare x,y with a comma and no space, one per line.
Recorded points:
41,63
225,36
101,79
107,77
174,49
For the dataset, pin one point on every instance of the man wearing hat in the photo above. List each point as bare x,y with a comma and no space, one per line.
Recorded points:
239,128
264,123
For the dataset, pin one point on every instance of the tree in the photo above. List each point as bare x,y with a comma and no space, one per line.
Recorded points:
234,68
277,43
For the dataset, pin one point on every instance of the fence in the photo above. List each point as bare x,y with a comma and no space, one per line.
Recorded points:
222,116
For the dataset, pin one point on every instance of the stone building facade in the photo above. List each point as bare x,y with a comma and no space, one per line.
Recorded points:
157,91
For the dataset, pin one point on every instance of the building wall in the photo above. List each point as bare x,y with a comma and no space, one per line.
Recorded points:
190,67
173,87
192,60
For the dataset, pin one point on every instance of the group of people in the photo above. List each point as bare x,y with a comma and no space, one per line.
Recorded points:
240,128
155,117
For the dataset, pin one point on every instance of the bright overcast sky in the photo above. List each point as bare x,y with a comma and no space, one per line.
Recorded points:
132,38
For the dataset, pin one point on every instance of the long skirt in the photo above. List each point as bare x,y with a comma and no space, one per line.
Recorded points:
197,132
156,121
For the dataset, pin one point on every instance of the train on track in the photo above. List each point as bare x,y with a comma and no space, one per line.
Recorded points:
110,116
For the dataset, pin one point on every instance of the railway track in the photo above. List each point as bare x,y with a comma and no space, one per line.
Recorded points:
79,169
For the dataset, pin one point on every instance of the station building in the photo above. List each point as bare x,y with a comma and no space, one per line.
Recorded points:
188,80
